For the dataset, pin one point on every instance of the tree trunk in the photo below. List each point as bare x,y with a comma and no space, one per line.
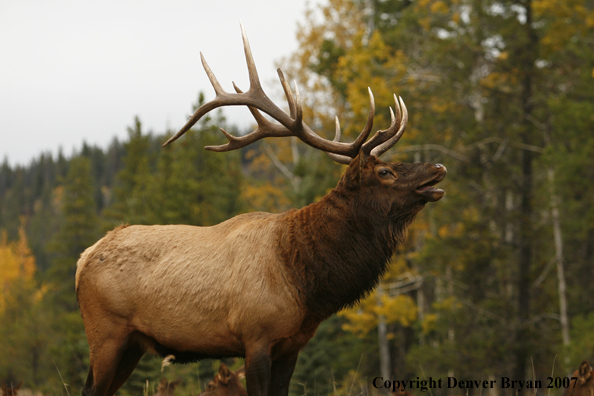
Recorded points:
382,333
559,258
525,246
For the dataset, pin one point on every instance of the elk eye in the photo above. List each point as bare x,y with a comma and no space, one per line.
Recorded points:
384,172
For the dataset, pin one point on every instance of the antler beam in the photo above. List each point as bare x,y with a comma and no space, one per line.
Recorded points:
290,124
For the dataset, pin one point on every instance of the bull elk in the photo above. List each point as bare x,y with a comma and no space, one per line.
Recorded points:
259,284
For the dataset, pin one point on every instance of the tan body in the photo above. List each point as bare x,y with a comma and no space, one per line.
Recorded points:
183,272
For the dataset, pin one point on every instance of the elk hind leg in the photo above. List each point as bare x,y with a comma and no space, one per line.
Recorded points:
102,371
105,357
128,361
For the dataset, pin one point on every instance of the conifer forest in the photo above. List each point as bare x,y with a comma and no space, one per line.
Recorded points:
495,280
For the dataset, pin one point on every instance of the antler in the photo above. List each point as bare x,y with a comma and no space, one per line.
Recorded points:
290,124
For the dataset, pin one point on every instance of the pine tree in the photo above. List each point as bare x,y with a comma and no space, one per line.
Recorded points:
79,230
195,186
131,188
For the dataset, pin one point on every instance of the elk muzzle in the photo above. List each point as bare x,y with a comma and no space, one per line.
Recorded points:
426,189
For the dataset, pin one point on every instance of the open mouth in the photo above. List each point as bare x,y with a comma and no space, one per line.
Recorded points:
430,193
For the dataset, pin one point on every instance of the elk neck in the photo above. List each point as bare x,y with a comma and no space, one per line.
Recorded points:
337,249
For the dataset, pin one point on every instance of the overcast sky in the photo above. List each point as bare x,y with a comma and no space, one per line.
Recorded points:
74,71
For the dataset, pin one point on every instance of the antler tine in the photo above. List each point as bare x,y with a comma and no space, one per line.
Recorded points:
337,134
298,108
205,108
265,127
253,73
213,79
402,122
288,92
381,137
343,159
369,124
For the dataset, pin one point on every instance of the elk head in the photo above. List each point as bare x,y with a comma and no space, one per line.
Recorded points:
413,183
585,381
226,383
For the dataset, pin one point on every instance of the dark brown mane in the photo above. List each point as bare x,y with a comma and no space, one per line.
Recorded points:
338,249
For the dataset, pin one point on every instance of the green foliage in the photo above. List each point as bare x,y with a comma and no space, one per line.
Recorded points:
131,188
192,186
582,345
78,231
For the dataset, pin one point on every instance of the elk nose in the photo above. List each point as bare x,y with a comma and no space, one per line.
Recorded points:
439,166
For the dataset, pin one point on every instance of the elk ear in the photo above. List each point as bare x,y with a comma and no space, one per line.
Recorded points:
224,374
352,177
584,372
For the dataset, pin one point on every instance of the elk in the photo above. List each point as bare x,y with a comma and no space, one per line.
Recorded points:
226,383
584,386
259,284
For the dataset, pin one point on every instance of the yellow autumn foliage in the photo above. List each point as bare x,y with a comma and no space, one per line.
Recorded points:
456,17
17,263
429,323
425,23
454,230
447,304
401,308
364,318
500,81
568,19
439,7
265,198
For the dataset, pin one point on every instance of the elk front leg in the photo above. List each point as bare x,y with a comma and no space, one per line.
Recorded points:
281,373
257,371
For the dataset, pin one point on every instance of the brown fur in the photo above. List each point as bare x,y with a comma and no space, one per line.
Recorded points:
166,388
400,392
8,389
584,386
226,383
256,286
